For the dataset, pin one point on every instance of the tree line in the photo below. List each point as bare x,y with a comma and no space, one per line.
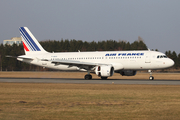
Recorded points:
11,64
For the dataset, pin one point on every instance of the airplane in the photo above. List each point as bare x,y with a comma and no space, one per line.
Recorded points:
103,63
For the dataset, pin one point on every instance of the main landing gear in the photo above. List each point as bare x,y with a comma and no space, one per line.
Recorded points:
150,73
88,76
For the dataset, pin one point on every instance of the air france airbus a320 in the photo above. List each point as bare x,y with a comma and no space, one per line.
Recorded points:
104,64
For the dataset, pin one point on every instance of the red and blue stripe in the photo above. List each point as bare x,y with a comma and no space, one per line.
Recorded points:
29,44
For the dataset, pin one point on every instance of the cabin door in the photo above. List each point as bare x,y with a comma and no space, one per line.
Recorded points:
148,57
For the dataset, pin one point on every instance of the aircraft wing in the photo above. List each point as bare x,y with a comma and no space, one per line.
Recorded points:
84,65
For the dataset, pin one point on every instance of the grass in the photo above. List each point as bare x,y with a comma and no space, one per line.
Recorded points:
40,101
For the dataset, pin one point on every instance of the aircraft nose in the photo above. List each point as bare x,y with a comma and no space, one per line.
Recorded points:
170,63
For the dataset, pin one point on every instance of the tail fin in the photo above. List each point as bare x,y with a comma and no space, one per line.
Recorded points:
30,43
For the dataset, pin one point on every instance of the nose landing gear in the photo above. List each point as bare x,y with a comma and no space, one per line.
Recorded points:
150,73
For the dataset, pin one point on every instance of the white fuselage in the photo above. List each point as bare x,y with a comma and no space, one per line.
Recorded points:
120,60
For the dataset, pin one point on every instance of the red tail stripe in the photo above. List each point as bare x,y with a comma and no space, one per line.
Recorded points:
25,47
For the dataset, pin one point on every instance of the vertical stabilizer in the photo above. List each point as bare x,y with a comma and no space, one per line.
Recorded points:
30,43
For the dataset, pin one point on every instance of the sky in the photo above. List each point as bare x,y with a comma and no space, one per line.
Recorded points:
156,21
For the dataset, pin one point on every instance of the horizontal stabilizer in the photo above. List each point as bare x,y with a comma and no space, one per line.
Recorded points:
22,57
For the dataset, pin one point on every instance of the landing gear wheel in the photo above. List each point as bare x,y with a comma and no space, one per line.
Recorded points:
151,78
150,73
104,78
88,77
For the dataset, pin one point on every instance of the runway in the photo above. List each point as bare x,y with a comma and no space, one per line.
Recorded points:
93,81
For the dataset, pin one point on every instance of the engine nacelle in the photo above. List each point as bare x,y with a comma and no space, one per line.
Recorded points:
104,70
128,72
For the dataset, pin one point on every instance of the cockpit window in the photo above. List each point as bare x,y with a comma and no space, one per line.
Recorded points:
161,56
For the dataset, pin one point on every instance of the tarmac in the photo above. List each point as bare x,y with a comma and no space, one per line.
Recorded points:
93,81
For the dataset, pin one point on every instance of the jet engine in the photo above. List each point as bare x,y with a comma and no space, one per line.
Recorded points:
128,72
104,70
